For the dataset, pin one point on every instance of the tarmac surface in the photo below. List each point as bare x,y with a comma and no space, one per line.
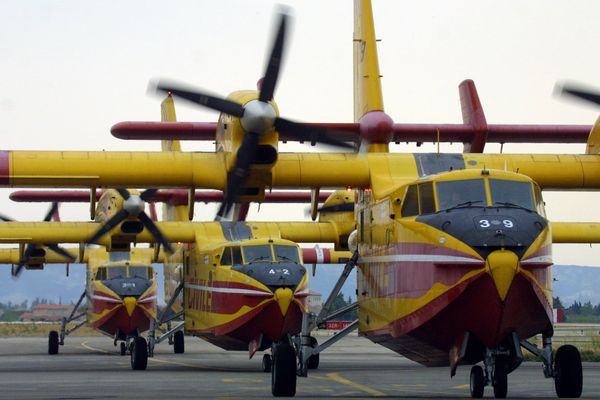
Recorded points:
91,368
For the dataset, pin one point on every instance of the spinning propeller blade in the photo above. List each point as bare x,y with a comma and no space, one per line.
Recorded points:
256,117
133,205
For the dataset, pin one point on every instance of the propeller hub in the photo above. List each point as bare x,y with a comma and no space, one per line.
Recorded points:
259,117
134,205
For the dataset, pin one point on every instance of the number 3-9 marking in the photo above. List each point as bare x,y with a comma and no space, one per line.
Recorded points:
484,223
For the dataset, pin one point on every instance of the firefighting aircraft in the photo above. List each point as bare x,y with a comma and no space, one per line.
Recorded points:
120,292
427,258
120,288
244,284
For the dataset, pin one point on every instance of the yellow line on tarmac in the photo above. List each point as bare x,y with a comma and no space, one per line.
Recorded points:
465,386
87,346
161,361
337,378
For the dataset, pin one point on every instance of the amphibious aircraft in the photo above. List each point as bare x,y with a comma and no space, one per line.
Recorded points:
244,284
120,291
460,267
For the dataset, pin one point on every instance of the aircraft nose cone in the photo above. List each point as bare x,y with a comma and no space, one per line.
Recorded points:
283,297
502,265
130,303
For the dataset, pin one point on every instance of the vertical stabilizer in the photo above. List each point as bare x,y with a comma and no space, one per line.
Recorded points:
171,212
167,114
376,127
367,82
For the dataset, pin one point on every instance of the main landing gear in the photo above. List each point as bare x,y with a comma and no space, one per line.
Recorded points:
138,349
283,369
55,338
564,366
174,335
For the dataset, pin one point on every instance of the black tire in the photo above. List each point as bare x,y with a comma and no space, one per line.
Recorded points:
178,343
139,353
313,361
500,381
283,374
53,342
477,382
266,363
568,377
123,349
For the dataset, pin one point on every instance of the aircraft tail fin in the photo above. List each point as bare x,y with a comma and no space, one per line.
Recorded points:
593,142
367,80
167,114
171,211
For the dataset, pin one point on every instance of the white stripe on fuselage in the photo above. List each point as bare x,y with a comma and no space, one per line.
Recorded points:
226,290
418,258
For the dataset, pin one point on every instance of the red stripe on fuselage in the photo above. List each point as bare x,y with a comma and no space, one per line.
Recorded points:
266,320
427,335
4,168
411,279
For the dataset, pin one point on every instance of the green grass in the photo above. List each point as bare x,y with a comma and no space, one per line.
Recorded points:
32,330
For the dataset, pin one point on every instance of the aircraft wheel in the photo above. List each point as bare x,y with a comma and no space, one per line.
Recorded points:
178,343
139,353
477,382
313,361
266,363
53,342
568,380
123,348
500,381
283,374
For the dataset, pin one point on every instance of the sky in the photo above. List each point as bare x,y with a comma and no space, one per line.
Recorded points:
71,69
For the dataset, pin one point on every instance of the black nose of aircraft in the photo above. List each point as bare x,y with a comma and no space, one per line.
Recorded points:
486,229
274,275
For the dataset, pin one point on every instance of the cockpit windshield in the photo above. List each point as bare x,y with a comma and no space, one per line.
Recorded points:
122,272
257,253
140,272
116,272
512,193
286,253
461,192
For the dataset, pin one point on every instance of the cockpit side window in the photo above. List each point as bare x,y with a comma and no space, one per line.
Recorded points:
512,193
101,274
539,201
426,200
236,256
286,253
226,257
410,206
257,253
463,192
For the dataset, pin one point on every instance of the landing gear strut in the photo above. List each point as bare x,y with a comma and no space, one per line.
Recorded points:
174,335
58,338
564,366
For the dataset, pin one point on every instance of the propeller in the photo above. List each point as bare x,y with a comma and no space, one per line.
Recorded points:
579,92
133,206
257,117
30,248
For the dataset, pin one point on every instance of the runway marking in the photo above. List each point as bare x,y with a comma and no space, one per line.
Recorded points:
243,380
410,385
339,379
465,386
85,345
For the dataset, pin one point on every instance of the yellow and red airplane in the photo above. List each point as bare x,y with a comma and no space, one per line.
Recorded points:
423,256
120,293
